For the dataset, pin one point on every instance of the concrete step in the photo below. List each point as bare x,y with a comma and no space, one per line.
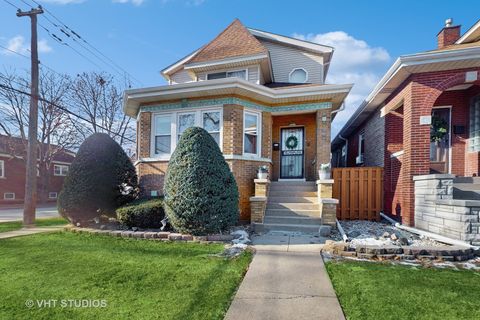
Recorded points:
291,227
288,188
292,220
467,186
293,183
292,199
285,193
293,213
475,180
293,206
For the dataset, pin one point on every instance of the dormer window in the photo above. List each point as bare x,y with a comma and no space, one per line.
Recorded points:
228,74
298,75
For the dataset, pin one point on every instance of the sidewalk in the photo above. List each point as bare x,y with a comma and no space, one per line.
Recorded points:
29,231
286,280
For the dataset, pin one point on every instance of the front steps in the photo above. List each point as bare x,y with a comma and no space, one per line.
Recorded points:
292,207
466,188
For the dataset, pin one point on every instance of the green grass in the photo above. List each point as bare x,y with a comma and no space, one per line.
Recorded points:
44,222
138,279
380,291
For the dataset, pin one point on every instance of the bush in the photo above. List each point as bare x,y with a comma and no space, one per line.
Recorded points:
201,194
142,214
101,178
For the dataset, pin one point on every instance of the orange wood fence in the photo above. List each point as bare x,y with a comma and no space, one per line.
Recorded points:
360,191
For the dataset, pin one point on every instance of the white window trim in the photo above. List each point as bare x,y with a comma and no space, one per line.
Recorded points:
259,134
61,170
361,137
50,195
5,196
295,69
227,71
173,128
2,165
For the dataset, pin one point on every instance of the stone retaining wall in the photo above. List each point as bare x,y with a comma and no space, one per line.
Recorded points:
436,211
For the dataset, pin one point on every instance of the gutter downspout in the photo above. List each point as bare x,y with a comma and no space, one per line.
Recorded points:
346,148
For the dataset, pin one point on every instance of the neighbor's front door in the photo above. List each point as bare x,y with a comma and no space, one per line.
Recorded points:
292,153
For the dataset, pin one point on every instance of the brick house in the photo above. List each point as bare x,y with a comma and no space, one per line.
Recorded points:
422,118
13,171
253,91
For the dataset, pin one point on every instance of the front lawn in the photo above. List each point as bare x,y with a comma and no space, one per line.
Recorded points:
379,291
137,279
43,222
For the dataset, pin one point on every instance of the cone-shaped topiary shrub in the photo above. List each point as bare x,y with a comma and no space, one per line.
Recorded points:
201,194
100,179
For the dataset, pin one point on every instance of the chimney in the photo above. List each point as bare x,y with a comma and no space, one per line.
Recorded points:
449,34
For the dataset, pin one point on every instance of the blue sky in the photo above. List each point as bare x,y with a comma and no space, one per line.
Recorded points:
144,36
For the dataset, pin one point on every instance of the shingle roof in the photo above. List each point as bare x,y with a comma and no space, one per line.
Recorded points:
458,46
234,41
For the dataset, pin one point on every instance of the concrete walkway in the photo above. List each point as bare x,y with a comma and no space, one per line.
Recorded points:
29,231
286,280
15,212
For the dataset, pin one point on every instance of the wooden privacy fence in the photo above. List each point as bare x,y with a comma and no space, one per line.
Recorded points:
360,192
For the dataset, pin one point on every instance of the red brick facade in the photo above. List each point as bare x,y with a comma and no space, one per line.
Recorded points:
151,172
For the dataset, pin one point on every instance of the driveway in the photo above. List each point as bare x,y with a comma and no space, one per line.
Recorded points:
15,213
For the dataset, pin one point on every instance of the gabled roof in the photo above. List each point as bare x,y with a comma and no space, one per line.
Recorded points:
472,35
234,41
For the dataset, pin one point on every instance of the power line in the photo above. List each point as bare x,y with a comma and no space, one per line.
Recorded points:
75,34
8,2
67,111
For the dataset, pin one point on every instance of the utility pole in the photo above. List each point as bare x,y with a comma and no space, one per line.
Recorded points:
31,172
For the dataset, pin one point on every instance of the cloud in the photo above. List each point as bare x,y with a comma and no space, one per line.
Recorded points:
354,61
62,2
17,44
134,2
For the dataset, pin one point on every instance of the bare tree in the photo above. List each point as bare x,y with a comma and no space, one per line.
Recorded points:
99,98
56,132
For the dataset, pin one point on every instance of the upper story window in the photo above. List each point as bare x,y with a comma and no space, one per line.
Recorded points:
251,133
168,128
60,170
228,74
2,169
474,145
298,75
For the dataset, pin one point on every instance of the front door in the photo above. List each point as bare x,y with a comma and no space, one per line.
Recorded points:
440,141
292,153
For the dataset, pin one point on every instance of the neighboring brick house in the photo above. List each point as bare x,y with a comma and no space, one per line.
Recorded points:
12,172
252,90
422,117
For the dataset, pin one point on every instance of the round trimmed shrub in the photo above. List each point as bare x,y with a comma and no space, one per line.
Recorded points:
200,192
101,178
142,214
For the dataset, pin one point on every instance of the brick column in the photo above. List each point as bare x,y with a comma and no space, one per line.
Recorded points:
324,188
143,134
258,203
328,211
323,139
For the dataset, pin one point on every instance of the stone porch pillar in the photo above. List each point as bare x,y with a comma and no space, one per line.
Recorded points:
258,203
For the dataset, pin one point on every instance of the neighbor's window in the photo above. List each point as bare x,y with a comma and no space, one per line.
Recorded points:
474,145
211,123
228,74
251,124
2,169
60,170
163,136
52,195
9,196
361,144
185,121
298,75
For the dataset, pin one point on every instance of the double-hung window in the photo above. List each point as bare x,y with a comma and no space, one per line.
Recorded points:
168,128
162,134
251,133
2,169
60,170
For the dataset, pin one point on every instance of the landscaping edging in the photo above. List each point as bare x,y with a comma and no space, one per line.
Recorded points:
393,252
153,235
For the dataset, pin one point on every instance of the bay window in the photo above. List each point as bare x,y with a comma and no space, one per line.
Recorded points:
168,128
251,133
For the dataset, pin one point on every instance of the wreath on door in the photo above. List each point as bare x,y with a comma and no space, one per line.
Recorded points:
438,129
292,142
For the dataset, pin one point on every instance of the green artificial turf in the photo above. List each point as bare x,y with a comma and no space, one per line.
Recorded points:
136,279
383,291
44,222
